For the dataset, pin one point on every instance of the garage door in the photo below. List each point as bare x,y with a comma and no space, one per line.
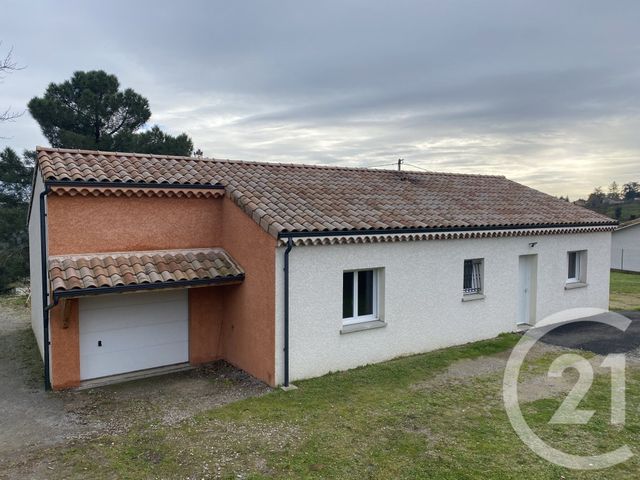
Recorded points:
129,332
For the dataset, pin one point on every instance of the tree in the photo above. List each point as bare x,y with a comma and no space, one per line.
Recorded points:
15,185
596,198
8,65
618,213
90,111
631,190
15,177
614,191
154,141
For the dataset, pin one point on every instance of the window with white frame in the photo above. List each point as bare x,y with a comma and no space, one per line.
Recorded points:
472,278
577,266
359,296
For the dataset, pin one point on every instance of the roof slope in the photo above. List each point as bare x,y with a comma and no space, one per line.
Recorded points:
108,270
86,165
303,198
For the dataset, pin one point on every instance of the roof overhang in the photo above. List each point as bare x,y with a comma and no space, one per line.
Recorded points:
96,184
632,223
119,272
137,191
83,292
420,234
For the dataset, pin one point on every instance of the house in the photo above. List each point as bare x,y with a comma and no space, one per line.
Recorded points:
625,246
612,201
289,271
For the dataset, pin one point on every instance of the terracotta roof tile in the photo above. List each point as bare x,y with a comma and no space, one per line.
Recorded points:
60,164
303,198
71,272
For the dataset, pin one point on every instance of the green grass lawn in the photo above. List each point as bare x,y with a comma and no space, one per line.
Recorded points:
624,291
629,211
400,419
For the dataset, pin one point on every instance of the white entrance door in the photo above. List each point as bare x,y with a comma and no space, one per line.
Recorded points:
128,332
527,289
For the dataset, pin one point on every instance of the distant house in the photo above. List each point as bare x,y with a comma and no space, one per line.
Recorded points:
625,246
289,271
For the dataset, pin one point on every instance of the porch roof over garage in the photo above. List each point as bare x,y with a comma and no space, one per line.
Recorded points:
88,274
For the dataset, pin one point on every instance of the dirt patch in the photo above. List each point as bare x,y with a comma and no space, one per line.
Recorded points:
537,387
221,443
165,400
534,384
28,415
465,371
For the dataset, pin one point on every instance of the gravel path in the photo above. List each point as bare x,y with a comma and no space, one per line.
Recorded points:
28,415
32,419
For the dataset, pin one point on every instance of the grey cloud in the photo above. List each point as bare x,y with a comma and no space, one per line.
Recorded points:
528,89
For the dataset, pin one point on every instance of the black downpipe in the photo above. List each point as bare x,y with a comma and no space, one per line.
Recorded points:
45,286
286,311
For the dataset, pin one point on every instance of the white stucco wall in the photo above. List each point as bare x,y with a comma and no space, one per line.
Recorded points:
35,265
627,239
422,295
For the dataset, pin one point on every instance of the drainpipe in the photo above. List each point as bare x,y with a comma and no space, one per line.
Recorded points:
286,310
45,286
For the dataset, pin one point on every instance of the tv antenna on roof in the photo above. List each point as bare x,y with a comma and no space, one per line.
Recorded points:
400,162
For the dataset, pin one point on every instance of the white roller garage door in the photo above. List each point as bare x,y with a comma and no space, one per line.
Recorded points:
128,332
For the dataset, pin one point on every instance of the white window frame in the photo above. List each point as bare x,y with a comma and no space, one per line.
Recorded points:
480,263
579,272
375,294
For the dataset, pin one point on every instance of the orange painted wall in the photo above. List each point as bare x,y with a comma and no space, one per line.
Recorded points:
65,347
79,224
235,322
249,325
206,313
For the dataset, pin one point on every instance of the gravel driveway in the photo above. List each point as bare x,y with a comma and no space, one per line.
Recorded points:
32,419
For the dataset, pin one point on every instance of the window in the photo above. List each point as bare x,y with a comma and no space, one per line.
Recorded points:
577,267
472,280
359,296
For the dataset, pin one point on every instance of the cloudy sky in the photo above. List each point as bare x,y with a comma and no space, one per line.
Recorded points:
544,92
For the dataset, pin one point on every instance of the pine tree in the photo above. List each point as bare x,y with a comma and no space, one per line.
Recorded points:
89,111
